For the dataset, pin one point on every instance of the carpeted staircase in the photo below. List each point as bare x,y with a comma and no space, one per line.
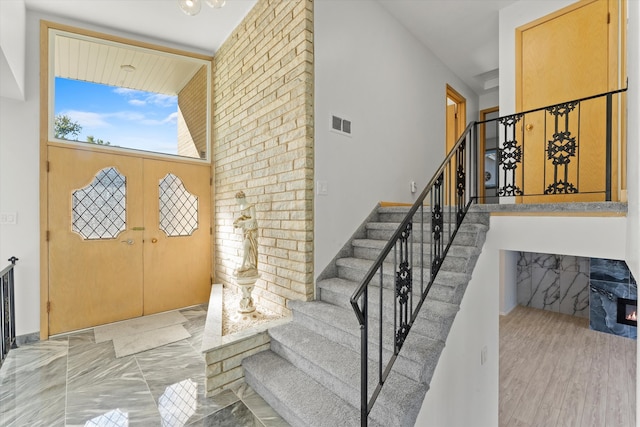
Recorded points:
311,374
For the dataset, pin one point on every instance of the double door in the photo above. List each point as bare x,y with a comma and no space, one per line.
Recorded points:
128,236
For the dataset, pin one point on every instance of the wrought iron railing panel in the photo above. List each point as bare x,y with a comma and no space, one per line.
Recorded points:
417,250
7,310
562,149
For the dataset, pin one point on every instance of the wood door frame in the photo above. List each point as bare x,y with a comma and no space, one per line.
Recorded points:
461,102
46,105
617,77
481,149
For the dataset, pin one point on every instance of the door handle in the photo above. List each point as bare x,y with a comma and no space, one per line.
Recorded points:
154,240
128,241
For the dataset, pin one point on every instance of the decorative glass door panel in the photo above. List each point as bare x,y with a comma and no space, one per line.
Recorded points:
177,249
95,257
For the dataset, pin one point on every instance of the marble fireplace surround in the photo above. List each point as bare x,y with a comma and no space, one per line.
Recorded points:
558,283
577,286
610,281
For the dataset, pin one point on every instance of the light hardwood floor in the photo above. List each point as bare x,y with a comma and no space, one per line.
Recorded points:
555,371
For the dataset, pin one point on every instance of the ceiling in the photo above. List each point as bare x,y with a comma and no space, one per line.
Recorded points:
113,64
462,33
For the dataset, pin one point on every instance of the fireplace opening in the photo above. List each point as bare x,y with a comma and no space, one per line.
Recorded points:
628,311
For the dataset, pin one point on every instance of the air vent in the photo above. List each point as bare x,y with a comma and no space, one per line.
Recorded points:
336,123
341,125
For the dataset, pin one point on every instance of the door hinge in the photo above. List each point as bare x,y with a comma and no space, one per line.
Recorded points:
48,166
48,306
211,231
608,18
46,237
211,181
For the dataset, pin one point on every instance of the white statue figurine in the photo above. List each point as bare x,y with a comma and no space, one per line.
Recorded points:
248,223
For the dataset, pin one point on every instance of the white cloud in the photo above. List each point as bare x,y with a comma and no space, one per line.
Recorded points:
162,100
140,98
87,118
171,118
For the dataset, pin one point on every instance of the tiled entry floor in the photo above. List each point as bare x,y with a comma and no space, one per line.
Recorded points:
70,380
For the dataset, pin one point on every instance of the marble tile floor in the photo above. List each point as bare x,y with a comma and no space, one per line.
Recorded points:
70,380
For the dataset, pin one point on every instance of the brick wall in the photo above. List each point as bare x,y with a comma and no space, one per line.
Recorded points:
192,116
263,145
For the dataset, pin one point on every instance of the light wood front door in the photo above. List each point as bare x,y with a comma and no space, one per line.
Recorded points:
128,236
566,56
177,260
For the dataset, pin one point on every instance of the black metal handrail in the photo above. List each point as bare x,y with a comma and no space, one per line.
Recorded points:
448,196
7,309
451,191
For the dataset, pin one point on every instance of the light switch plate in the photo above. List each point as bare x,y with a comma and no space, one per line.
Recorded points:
8,218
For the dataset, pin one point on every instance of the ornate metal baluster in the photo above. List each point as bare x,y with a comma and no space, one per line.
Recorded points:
561,149
437,222
510,154
404,282
460,183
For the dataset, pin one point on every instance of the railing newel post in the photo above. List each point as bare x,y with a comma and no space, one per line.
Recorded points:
609,124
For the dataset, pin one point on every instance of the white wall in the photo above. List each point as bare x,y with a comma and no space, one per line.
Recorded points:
489,100
459,372
369,69
12,49
463,392
633,153
633,139
19,184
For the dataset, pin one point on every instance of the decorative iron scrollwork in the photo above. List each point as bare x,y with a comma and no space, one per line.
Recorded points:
403,282
404,285
560,149
437,224
562,109
509,156
401,335
461,178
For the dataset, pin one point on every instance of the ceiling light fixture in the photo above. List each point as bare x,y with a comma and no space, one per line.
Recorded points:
192,7
128,68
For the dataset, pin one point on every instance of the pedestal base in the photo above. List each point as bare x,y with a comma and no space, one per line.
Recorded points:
246,285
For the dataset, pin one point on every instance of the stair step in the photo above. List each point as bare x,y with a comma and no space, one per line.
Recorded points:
468,233
337,368
398,213
355,269
298,398
338,291
371,249
418,356
434,319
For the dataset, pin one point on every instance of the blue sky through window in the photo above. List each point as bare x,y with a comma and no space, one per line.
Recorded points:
124,117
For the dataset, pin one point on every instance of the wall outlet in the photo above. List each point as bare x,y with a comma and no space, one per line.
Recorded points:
8,218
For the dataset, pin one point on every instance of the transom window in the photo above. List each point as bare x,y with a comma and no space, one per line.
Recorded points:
123,96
